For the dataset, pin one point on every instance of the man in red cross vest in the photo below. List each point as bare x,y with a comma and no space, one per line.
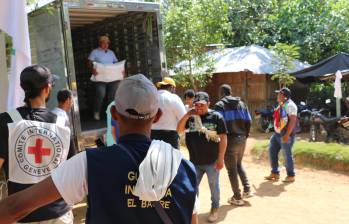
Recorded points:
32,144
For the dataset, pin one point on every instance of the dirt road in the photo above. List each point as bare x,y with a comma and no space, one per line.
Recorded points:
317,197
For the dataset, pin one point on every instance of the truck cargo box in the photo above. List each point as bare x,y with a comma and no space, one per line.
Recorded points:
63,33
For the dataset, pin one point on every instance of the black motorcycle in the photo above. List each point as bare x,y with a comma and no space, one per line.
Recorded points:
304,117
265,119
328,129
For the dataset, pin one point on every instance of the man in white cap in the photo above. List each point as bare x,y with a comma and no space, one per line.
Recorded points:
144,181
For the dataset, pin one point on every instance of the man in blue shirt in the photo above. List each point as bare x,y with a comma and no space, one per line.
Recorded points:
124,183
102,55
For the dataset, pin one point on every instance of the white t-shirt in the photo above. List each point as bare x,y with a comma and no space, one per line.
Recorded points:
62,116
291,110
70,179
172,109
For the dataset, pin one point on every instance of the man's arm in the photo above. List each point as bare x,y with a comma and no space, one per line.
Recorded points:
1,162
179,108
291,125
19,205
183,121
68,180
90,66
248,122
195,219
222,148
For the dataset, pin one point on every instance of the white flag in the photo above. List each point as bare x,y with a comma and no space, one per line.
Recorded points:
14,21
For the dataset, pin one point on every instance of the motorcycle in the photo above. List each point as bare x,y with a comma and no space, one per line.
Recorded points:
265,119
329,129
304,116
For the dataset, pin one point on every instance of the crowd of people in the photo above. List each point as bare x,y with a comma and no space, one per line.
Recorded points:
140,176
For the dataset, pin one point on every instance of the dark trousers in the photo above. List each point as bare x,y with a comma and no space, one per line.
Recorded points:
233,163
168,136
104,89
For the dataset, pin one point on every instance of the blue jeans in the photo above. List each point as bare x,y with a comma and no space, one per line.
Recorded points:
104,89
276,144
213,181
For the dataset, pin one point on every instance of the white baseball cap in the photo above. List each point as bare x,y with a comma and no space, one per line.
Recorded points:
137,98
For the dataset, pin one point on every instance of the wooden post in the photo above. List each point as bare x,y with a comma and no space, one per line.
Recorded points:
3,74
338,107
246,87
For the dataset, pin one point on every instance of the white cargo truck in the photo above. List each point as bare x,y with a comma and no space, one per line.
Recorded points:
63,33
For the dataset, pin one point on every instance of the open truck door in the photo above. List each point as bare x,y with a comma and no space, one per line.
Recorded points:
63,37
50,46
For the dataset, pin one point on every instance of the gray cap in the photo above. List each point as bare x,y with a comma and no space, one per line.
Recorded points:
137,98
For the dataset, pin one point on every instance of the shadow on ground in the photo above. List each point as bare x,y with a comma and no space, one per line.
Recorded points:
269,189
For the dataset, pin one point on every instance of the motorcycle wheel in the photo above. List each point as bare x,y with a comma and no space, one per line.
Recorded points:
263,124
343,135
313,133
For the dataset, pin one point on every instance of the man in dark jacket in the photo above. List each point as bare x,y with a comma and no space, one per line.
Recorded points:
238,121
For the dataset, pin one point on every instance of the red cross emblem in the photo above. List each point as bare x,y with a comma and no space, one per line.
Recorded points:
39,151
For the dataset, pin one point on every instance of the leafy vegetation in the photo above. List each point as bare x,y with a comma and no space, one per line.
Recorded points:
320,28
283,59
317,28
189,27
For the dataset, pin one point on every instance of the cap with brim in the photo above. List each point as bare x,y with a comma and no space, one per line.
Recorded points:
137,98
166,81
284,91
201,97
36,77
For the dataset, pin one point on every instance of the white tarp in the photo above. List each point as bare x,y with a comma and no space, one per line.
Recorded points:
254,58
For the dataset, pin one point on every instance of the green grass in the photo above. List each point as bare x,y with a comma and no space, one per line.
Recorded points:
319,155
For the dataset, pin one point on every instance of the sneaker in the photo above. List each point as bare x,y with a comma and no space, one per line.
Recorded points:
289,179
247,194
234,201
213,216
273,177
96,116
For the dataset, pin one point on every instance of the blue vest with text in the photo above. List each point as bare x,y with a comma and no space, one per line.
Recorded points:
112,176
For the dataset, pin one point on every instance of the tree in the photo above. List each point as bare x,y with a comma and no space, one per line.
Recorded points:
283,58
189,27
320,28
249,20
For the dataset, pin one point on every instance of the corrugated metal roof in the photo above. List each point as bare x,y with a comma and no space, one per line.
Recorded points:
254,58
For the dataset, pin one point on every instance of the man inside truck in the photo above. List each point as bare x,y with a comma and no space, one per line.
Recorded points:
105,56
136,181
